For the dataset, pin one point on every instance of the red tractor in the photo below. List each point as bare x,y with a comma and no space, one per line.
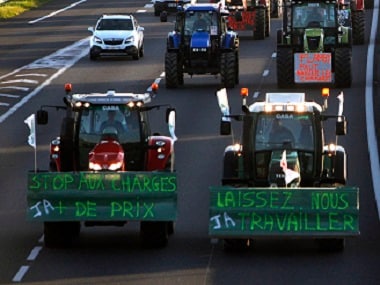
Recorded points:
106,168
249,16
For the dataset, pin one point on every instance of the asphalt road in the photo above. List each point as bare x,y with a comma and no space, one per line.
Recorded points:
113,255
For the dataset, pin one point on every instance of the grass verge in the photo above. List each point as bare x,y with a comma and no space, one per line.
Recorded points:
13,8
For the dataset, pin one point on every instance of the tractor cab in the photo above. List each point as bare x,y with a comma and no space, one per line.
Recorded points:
282,139
108,131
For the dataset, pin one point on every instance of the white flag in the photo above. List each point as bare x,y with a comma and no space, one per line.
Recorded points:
31,122
290,174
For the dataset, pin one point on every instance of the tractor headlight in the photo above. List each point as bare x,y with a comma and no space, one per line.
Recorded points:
94,166
115,166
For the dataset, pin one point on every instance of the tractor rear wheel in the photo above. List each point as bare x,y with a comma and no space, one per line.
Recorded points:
155,234
285,67
331,244
60,234
358,27
342,67
228,69
259,27
172,74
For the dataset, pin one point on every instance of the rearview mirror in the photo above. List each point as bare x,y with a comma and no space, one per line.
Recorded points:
42,117
225,128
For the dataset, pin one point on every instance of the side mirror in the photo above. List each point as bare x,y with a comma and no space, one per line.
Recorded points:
42,117
170,118
225,128
341,127
90,29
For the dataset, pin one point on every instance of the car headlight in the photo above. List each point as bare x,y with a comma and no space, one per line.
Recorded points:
98,40
129,39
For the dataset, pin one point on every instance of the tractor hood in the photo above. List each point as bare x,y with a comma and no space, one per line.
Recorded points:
108,154
200,39
313,40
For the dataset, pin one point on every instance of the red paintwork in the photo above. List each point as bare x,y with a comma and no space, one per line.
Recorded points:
106,152
153,162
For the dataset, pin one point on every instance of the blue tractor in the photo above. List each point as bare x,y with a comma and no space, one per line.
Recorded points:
201,43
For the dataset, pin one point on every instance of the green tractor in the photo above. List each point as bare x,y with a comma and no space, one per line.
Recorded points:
313,46
283,178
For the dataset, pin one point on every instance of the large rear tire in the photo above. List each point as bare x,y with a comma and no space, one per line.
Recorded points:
285,67
230,170
155,234
172,76
331,244
259,28
358,27
342,67
60,234
228,69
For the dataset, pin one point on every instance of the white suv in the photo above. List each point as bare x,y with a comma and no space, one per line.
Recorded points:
117,35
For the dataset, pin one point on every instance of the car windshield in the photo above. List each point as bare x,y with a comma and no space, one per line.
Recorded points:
284,130
118,122
115,25
314,15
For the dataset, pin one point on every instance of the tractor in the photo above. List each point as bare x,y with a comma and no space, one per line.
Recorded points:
254,16
202,44
313,46
282,179
106,168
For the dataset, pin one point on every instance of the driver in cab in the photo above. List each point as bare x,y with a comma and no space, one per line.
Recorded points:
112,122
280,134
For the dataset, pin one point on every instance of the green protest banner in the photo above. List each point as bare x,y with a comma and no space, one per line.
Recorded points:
105,196
249,212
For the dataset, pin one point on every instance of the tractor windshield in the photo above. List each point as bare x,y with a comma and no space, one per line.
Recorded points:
201,21
284,131
117,120
314,15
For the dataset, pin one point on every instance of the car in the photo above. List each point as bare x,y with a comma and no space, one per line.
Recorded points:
168,6
117,35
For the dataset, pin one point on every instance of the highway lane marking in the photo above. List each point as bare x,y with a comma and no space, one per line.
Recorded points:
34,253
20,273
15,88
57,12
30,81
59,61
9,95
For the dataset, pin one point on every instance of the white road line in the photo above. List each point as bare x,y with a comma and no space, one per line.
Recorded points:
15,88
256,94
57,12
265,73
47,62
31,75
371,134
20,81
9,95
20,274
34,253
